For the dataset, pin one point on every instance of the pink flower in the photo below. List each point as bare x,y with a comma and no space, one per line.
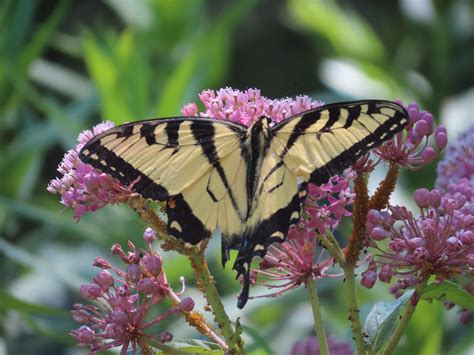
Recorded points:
120,316
291,263
310,346
439,241
245,107
409,148
81,186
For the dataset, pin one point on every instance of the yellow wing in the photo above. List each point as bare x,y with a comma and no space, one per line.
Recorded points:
194,163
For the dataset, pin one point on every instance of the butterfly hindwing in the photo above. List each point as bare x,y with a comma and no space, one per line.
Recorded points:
194,164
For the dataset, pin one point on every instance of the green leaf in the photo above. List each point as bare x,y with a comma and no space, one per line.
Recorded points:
205,63
382,319
9,302
349,34
449,291
194,346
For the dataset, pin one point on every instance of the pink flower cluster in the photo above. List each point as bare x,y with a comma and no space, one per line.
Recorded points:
310,346
409,148
438,242
293,262
123,302
81,186
245,107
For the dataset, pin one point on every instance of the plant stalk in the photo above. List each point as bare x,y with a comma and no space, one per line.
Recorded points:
354,308
207,286
318,319
405,319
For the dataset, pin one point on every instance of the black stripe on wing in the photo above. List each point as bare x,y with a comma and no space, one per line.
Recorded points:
384,132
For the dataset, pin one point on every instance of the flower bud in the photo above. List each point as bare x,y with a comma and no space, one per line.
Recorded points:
104,279
101,263
152,264
80,316
435,198
368,278
186,304
91,291
385,274
190,109
467,237
428,155
428,118
134,273
422,197
441,140
454,244
413,113
397,245
378,233
375,217
416,242
84,335
149,235
147,286
421,128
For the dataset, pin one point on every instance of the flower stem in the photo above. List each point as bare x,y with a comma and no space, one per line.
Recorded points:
207,286
405,319
331,244
354,309
318,319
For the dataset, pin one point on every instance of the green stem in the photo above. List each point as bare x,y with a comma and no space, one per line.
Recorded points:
318,319
207,286
354,309
331,244
404,320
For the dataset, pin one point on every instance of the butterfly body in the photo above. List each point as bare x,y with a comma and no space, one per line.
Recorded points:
248,182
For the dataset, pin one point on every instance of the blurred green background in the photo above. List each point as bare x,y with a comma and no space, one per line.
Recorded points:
66,65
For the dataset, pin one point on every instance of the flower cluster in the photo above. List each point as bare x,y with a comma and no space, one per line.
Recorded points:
458,164
245,107
409,148
123,302
438,242
81,186
288,265
310,346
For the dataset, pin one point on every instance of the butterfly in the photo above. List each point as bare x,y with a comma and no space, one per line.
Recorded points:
248,182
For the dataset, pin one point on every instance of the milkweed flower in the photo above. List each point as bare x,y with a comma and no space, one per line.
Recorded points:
247,106
310,346
83,187
410,148
458,165
439,241
288,265
123,300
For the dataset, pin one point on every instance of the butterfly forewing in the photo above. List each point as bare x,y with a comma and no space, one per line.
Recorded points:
323,142
194,163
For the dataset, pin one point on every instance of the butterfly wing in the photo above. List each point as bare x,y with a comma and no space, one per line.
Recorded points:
195,164
323,142
310,148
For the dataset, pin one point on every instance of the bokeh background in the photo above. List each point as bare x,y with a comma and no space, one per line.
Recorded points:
66,65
